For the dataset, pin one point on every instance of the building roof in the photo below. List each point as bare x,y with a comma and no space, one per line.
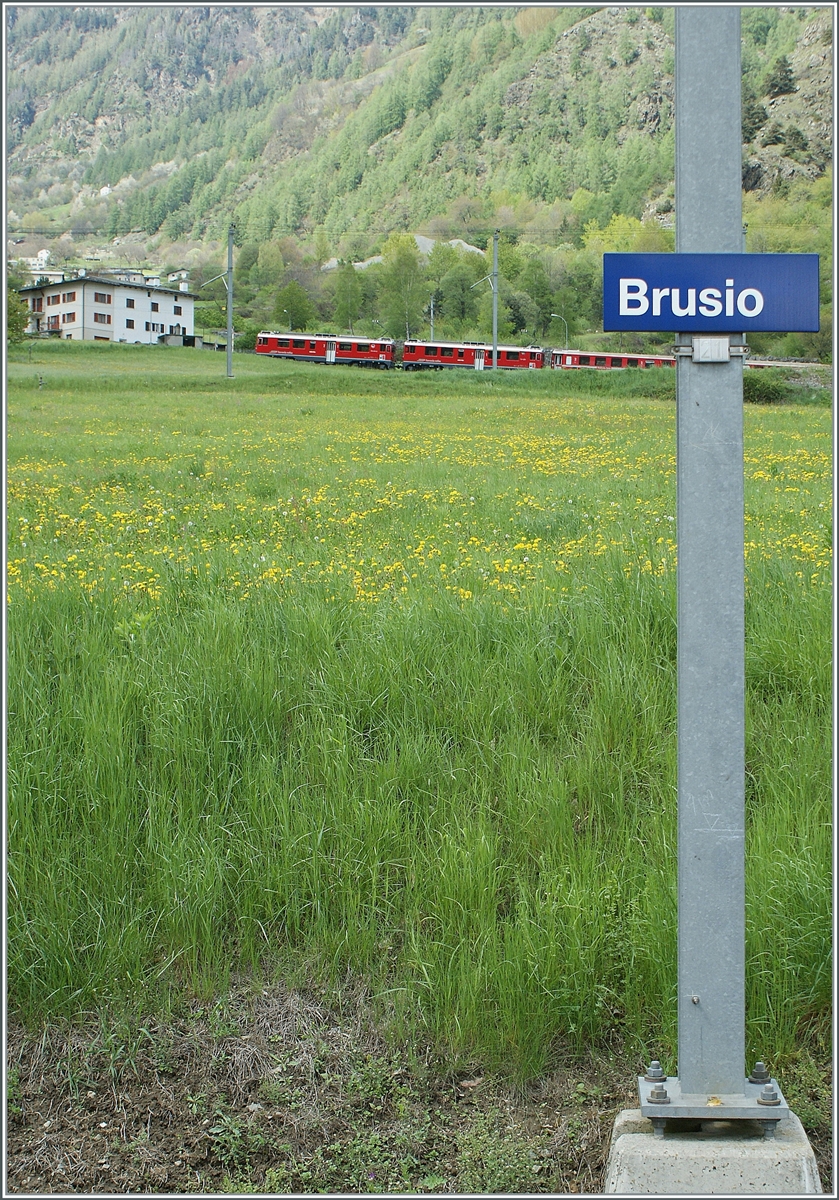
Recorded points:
109,281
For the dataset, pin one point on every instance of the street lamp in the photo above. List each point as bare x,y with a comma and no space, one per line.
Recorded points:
285,310
565,323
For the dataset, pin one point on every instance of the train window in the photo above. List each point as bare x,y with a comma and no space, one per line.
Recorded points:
345,345
362,347
600,362
585,360
532,355
632,362
512,355
431,351
298,343
282,343
447,352
460,354
650,362
263,341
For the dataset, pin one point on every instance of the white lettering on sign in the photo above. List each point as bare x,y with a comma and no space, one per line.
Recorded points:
710,302
633,297
757,302
658,296
690,308
634,301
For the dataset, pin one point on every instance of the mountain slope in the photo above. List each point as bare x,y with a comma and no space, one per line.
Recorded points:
371,119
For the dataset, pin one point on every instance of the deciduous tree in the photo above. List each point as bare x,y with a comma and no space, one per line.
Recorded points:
293,307
17,316
347,295
403,286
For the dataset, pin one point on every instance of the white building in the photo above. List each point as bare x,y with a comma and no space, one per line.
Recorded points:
110,308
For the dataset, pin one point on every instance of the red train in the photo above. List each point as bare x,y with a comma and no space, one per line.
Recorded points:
324,348
577,358
430,355
435,356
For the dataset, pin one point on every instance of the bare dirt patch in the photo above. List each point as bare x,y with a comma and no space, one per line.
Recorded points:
276,1090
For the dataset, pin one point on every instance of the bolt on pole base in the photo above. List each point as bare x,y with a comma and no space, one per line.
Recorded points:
663,1100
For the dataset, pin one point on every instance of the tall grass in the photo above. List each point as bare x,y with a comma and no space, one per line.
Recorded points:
470,800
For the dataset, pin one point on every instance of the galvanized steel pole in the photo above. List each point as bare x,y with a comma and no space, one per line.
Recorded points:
495,301
230,302
710,578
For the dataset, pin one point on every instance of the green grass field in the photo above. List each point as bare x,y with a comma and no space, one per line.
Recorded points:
340,669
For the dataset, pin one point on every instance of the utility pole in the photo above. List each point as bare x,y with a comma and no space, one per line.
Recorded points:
495,301
432,316
230,302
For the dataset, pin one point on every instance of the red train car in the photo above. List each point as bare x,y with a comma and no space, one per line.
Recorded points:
436,356
563,359
325,348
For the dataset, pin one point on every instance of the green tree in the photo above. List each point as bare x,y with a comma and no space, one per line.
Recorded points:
511,261
505,321
794,141
753,114
779,80
321,246
458,296
441,260
524,313
402,295
17,317
347,296
293,306
269,267
245,259
211,316
580,295
534,280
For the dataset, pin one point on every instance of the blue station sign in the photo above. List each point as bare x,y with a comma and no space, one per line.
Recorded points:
711,293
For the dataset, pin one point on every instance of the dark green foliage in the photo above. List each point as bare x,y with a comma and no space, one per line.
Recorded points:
773,135
753,114
765,386
794,141
779,80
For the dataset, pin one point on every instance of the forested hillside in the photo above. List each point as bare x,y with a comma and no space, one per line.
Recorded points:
321,131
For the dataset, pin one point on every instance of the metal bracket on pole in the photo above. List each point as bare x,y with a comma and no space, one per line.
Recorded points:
711,350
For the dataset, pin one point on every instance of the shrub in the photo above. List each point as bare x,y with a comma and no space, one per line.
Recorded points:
765,386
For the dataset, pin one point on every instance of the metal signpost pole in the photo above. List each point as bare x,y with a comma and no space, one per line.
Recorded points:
709,291
710,659
230,302
710,579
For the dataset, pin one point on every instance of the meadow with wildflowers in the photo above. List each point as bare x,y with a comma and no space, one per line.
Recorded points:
377,672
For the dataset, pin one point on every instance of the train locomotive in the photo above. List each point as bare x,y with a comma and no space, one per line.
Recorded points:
326,348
